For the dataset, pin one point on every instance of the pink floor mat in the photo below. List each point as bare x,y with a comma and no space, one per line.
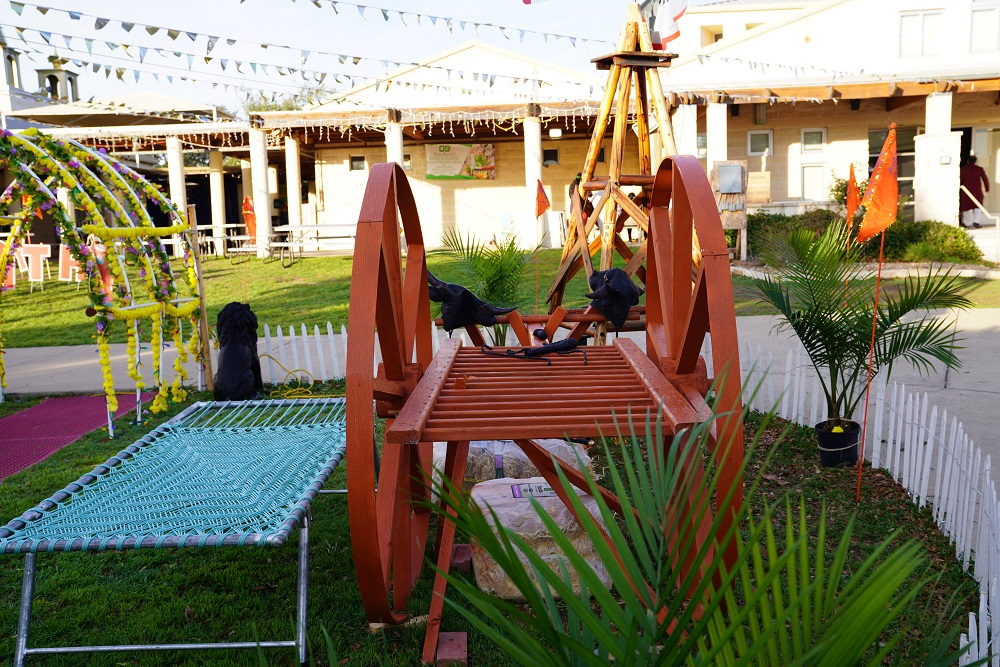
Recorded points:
34,434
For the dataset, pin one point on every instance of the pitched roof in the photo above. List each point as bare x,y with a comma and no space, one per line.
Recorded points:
124,109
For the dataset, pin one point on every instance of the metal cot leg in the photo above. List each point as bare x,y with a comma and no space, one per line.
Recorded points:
27,594
300,605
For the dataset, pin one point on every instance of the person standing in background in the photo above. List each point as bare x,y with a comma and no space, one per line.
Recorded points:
974,178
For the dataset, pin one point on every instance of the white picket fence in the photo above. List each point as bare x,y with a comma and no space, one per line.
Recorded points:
923,449
915,442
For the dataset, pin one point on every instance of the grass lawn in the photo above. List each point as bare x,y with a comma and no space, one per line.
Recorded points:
239,594
313,291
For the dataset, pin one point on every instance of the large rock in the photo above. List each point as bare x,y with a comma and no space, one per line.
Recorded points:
509,498
483,463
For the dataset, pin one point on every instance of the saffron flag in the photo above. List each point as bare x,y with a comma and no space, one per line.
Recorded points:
852,199
541,200
882,196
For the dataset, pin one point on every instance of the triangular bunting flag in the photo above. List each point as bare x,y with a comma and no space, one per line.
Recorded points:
239,64
170,79
96,68
361,10
230,42
223,62
136,73
100,23
207,60
211,43
142,53
68,40
42,10
77,63
17,7
127,27
156,77
75,15
521,34
107,72
190,59
47,36
253,66
356,60
192,35
385,14
152,30
305,57
120,73
173,34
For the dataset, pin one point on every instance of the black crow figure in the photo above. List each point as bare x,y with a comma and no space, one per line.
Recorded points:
238,377
460,307
613,294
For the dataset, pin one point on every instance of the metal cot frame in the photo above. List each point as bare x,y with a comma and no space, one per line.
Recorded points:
248,414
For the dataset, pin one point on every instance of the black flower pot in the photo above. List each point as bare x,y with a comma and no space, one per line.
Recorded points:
837,449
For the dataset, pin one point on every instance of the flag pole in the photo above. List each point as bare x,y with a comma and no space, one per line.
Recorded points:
871,358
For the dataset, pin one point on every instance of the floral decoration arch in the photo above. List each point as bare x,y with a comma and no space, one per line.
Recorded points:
113,239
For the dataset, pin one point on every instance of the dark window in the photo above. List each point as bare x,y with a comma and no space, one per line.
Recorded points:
550,156
357,163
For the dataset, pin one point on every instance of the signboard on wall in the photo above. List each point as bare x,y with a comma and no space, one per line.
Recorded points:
461,161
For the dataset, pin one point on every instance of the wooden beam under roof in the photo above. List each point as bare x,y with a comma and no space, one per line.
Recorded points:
842,91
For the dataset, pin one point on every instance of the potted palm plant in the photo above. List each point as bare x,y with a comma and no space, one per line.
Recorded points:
824,294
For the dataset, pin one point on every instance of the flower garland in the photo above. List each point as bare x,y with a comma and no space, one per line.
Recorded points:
109,381
100,187
108,233
133,369
177,392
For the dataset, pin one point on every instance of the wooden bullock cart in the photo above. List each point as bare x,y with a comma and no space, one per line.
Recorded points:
460,394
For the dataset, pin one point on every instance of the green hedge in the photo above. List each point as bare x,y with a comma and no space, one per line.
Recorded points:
921,241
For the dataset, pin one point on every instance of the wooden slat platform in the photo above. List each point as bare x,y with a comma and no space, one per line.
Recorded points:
486,397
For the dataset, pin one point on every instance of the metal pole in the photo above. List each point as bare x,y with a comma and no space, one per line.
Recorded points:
27,593
303,589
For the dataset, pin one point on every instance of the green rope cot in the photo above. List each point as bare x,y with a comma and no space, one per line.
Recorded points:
218,474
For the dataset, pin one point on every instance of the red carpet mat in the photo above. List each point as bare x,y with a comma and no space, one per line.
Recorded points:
34,434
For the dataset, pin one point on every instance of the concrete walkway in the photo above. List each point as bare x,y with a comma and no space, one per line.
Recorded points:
971,393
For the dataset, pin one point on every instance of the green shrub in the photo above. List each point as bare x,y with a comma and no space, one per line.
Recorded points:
838,190
922,241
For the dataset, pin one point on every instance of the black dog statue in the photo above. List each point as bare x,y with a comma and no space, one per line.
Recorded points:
460,307
238,377
613,294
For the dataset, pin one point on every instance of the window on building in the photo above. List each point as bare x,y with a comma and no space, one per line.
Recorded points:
813,139
710,34
550,156
52,86
759,142
702,142
985,37
905,164
357,163
813,184
407,162
919,34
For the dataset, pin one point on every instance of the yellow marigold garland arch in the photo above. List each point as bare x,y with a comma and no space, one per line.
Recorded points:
110,203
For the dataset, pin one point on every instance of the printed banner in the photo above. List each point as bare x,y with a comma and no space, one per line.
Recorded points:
461,161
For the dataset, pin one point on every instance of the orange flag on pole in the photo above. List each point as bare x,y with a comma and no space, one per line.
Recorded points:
541,200
881,197
852,199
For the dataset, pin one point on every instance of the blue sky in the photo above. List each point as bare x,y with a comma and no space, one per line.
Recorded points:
299,34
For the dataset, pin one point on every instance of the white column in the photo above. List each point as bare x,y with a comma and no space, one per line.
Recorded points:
655,150
937,114
261,197
175,172
246,180
218,195
937,152
534,230
717,134
394,143
293,181
685,122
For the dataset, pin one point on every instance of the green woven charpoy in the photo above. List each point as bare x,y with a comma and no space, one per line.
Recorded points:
236,474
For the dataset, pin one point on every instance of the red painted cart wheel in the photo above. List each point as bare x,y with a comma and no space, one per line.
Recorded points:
388,529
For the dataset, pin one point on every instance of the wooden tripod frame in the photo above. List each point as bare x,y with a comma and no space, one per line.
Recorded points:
631,68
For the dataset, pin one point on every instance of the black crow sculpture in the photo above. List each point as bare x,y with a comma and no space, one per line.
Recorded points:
460,307
238,377
613,294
